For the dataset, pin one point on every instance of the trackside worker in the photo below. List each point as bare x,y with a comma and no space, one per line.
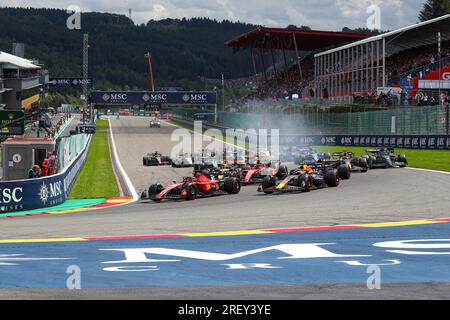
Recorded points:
45,169
51,163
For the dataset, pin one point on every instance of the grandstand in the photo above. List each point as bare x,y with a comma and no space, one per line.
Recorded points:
349,68
401,58
287,79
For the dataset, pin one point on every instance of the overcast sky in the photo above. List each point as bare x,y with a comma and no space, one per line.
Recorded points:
319,14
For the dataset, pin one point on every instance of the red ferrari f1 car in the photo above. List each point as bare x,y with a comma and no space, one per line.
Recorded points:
192,187
251,174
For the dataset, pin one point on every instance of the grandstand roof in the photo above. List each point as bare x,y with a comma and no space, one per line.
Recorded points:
277,39
417,35
12,61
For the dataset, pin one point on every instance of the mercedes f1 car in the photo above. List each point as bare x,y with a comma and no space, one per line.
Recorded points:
191,188
385,158
303,179
156,159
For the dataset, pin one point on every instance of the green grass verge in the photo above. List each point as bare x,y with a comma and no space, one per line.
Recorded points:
423,159
97,179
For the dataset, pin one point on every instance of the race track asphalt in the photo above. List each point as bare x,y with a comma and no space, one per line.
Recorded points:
374,197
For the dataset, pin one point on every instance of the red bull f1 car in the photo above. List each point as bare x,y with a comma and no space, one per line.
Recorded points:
190,188
303,179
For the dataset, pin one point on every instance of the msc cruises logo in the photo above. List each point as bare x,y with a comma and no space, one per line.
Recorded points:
105,97
186,98
44,193
145,97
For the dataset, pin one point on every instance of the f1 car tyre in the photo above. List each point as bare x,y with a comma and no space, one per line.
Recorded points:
191,192
282,172
306,182
371,161
144,162
268,182
402,160
363,165
344,172
332,178
155,189
232,185
166,159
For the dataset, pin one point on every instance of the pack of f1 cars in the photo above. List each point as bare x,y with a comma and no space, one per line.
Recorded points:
385,158
326,161
190,188
156,159
302,179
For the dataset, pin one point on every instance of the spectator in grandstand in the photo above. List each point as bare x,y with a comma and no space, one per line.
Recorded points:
418,98
424,99
35,172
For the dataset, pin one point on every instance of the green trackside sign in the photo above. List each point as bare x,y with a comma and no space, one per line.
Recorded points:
9,125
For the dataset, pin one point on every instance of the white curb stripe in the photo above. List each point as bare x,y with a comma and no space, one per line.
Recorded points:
428,170
119,165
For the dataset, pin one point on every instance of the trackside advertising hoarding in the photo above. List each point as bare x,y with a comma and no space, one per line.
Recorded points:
149,98
43,192
432,142
435,142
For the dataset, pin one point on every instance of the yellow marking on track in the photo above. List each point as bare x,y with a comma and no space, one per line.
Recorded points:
118,200
73,210
225,233
397,224
43,240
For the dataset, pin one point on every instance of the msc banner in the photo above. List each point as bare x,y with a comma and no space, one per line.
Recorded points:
42,192
408,142
149,98
70,82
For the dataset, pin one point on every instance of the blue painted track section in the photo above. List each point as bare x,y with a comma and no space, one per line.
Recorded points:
17,270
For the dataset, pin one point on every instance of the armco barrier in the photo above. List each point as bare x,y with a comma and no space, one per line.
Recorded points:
432,142
42,192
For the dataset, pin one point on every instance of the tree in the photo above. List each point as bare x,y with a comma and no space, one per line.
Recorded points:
434,9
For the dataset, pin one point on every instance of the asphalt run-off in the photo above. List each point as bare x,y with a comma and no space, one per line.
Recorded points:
405,253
